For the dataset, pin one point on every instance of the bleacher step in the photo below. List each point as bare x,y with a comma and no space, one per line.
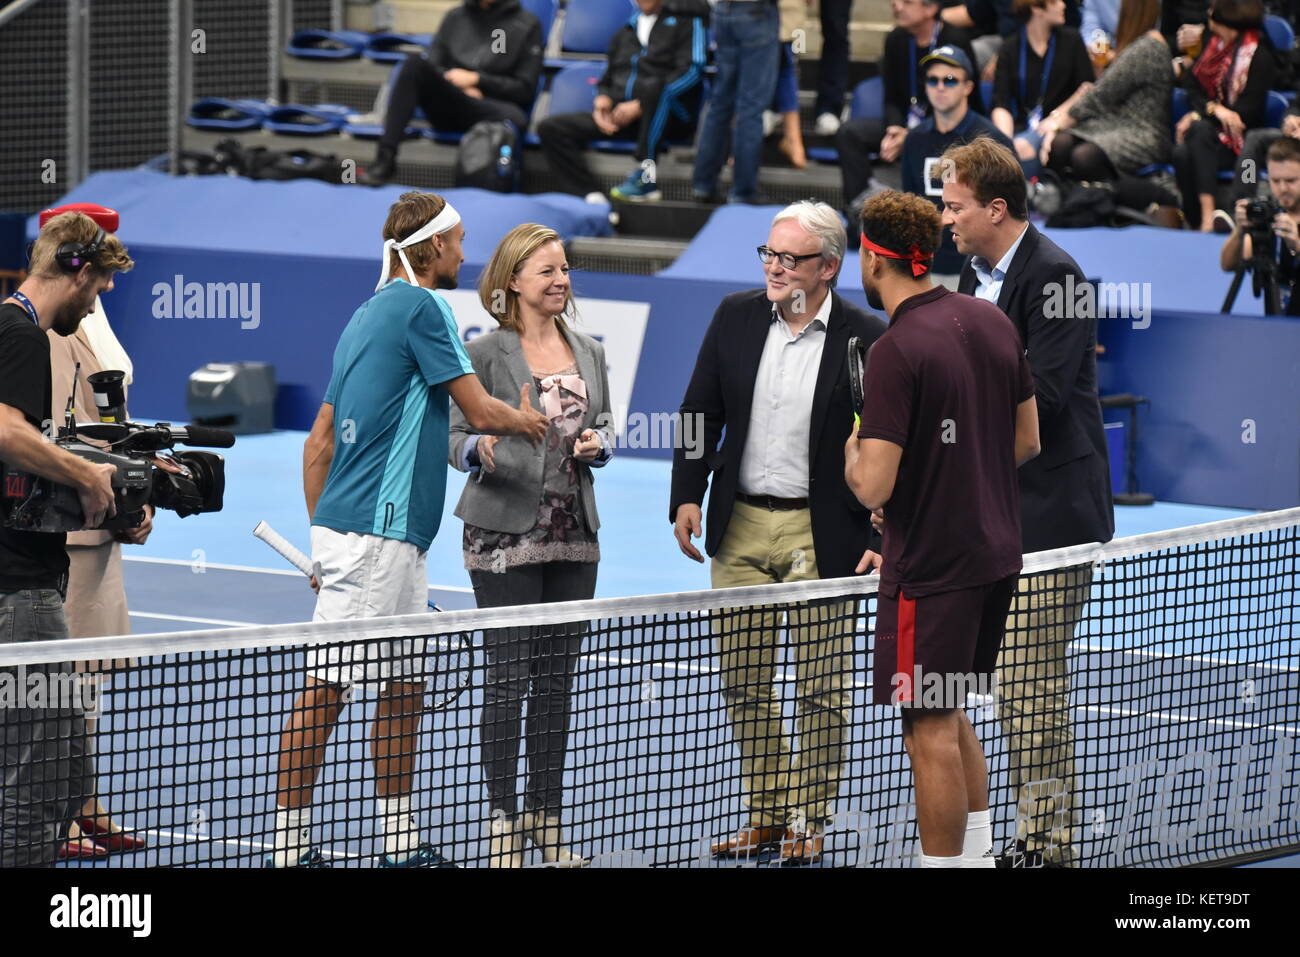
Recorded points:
666,218
641,257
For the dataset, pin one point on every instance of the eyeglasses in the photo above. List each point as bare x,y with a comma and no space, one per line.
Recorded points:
787,260
948,81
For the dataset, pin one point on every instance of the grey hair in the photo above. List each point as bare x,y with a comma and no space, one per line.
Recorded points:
822,221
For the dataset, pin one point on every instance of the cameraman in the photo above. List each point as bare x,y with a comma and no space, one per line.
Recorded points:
1284,187
45,771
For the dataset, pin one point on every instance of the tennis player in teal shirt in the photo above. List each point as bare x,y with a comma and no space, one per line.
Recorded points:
374,476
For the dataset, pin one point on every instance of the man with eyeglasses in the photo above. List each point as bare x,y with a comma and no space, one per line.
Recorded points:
949,80
772,372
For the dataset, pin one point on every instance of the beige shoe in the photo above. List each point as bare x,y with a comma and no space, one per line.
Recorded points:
506,848
545,833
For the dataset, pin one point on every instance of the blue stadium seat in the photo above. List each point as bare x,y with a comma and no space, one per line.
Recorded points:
1178,106
543,10
1276,109
574,87
589,25
868,99
1279,32
986,95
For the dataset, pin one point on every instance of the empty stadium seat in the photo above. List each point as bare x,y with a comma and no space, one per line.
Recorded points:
589,25
868,99
1279,32
544,11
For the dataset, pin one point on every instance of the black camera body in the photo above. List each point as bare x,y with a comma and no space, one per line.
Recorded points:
1260,213
187,483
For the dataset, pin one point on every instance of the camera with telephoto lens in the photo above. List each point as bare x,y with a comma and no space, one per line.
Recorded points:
1260,213
148,473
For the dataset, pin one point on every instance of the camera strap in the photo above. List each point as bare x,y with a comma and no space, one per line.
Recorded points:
26,303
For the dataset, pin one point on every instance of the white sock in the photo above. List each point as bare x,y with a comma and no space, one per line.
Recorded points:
292,834
978,842
397,825
928,861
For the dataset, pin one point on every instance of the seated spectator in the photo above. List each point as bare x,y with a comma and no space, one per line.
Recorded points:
919,30
1254,155
483,64
949,81
987,21
1227,87
650,91
1120,125
1042,68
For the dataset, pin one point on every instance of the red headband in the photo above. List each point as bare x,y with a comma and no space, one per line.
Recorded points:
920,260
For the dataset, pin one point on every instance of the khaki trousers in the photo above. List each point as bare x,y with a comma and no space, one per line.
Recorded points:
783,787
1033,705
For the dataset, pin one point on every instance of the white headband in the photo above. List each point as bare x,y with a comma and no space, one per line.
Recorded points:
439,224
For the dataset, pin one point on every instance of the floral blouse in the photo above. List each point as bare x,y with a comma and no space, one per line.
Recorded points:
561,533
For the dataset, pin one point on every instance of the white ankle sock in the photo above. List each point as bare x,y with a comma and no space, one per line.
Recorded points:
292,834
979,841
397,826
928,861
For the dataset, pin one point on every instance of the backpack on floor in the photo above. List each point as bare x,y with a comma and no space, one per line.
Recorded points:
489,157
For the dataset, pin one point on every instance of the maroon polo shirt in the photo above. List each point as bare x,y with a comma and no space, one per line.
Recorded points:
943,383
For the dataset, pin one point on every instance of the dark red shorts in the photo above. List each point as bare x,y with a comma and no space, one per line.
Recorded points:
932,652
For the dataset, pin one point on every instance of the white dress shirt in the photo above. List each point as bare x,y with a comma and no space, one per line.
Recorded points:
989,281
775,459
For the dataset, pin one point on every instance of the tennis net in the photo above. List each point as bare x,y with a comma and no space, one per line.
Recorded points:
1156,730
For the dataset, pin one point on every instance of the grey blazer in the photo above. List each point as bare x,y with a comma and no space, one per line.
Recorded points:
506,500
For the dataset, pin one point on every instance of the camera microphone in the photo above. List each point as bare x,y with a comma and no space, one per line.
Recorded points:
202,436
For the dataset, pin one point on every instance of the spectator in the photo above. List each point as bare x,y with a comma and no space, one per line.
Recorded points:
833,71
748,38
949,80
483,64
988,21
1183,24
1248,182
1227,87
785,101
650,90
1042,68
1100,25
919,30
1121,125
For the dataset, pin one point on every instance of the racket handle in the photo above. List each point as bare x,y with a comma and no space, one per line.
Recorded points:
857,422
287,551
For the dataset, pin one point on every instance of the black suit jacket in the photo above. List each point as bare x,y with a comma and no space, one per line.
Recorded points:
1065,495
722,391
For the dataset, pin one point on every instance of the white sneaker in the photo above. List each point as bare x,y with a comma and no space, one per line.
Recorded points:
546,835
506,848
770,120
596,199
828,124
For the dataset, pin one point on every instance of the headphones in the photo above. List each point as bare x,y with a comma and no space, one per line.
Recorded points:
72,256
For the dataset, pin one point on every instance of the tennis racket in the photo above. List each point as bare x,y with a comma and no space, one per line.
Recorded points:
857,365
449,658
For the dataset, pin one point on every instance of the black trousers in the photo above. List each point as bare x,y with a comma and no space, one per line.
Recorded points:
856,141
1198,160
533,665
449,108
833,71
565,136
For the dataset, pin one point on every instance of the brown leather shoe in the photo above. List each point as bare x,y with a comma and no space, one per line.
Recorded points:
800,849
748,841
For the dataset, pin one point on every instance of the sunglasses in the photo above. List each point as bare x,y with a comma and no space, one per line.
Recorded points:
948,81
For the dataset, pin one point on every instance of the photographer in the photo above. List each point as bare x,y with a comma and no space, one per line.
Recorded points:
1260,220
44,768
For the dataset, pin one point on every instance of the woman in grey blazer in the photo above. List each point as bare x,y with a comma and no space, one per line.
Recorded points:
530,529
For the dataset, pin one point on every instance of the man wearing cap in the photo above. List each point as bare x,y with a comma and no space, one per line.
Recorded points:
948,416
374,481
949,81
45,767
95,604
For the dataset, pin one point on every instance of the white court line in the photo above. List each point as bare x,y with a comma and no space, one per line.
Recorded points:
197,621
254,570
1187,719
1222,662
247,845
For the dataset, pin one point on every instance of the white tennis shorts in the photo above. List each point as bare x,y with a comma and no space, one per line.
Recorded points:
368,576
